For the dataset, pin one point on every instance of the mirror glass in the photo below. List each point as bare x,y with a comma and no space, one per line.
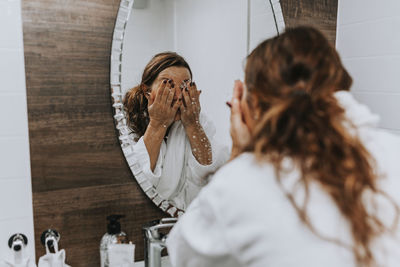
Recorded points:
214,38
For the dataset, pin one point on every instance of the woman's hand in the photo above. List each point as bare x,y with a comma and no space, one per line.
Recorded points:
161,110
190,109
239,131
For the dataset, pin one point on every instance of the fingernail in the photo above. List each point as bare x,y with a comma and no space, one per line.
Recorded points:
228,104
235,101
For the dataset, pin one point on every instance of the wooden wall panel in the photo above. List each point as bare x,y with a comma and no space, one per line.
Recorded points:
79,174
321,14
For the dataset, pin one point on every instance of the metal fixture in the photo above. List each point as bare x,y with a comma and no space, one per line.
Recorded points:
154,240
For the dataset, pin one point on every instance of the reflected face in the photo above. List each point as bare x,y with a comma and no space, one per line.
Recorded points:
179,76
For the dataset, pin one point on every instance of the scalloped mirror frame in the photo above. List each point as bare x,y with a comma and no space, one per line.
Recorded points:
125,139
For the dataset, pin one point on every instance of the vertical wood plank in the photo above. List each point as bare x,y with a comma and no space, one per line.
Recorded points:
321,14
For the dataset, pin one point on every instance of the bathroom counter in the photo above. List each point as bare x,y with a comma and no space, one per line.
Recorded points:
164,262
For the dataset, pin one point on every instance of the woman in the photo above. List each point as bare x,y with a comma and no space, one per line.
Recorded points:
175,147
313,181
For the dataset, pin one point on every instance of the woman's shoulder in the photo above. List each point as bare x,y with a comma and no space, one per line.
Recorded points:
241,182
243,166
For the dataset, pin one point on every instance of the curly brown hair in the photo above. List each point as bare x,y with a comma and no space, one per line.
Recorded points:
293,77
135,101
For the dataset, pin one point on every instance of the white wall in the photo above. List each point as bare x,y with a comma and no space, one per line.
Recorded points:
212,36
262,23
368,40
149,31
15,180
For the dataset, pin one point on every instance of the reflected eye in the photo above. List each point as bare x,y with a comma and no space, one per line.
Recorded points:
184,83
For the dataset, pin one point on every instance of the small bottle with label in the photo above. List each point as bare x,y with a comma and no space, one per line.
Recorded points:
114,235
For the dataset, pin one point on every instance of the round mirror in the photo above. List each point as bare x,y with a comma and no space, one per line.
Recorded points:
173,65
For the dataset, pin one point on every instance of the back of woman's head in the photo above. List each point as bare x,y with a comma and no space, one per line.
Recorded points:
291,79
299,61
135,101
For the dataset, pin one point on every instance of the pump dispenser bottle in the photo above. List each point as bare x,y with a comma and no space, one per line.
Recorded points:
114,235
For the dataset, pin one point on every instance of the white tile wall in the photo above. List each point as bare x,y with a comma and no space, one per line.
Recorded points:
355,11
11,24
16,213
378,73
369,42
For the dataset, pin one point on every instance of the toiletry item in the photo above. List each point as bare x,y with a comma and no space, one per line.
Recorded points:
18,258
50,240
114,235
56,259
121,255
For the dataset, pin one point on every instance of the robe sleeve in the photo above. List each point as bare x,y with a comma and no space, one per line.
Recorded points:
197,240
142,159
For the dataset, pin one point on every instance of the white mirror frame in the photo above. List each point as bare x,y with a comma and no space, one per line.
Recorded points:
125,139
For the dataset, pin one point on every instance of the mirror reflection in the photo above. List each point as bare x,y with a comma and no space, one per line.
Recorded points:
179,62
175,146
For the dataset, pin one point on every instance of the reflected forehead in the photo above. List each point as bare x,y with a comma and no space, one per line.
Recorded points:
175,73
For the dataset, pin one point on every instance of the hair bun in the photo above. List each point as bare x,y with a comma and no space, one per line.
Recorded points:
295,73
299,92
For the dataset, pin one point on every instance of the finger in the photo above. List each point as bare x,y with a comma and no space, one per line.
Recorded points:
182,97
182,107
167,91
161,89
238,90
188,86
198,95
236,114
177,105
170,96
193,89
150,98
193,93
198,100
186,98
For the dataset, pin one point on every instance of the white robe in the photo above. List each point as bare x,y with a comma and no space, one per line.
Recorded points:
178,176
242,217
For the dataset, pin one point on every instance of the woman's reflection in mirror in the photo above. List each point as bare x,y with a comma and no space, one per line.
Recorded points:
174,140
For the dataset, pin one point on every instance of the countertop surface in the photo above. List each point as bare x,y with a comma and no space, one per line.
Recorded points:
164,262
